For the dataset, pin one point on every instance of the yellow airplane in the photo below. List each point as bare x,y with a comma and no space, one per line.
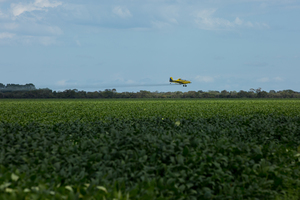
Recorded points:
180,81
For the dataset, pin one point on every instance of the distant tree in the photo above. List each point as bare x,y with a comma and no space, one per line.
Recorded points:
251,93
92,94
192,94
252,90
289,91
242,94
296,95
81,94
262,94
144,94
224,94
233,94
108,93
168,94
70,93
44,93
15,87
258,90
29,86
207,95
29,91
272,92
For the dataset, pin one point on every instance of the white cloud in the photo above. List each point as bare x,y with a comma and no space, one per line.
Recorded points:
119,79
4,14
46,41
206,79
18,9
78,42
263,80
285,4
9,26
170,13
30,33
54,30
267,79
205,20
278,79
6,35
238,21
130,82
121,12
61,83
32,40
35,29
160,24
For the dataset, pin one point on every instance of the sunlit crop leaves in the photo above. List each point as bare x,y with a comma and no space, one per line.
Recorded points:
149,149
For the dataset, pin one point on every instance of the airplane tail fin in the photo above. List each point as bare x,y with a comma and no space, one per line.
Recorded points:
171,79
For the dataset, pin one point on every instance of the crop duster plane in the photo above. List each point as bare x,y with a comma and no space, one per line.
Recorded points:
180,81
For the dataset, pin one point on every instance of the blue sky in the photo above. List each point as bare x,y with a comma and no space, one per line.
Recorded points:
137,45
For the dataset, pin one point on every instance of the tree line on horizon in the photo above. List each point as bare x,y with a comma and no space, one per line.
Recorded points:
30,91
16,87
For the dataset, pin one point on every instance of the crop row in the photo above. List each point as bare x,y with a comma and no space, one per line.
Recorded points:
56,111
239,157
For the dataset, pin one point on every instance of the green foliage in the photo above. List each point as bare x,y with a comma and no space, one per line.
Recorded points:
61,111
240,157
149,149
28,91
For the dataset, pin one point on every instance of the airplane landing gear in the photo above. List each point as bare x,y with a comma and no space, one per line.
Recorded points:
184,85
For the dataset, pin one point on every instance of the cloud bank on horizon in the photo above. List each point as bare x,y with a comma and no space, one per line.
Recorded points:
231,44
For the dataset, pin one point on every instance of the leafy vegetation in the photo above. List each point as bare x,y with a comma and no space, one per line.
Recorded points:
180,149
57,111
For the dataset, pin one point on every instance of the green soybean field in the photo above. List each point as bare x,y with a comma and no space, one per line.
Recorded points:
150,149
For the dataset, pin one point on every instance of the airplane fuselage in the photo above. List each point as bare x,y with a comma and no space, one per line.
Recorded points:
180,81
